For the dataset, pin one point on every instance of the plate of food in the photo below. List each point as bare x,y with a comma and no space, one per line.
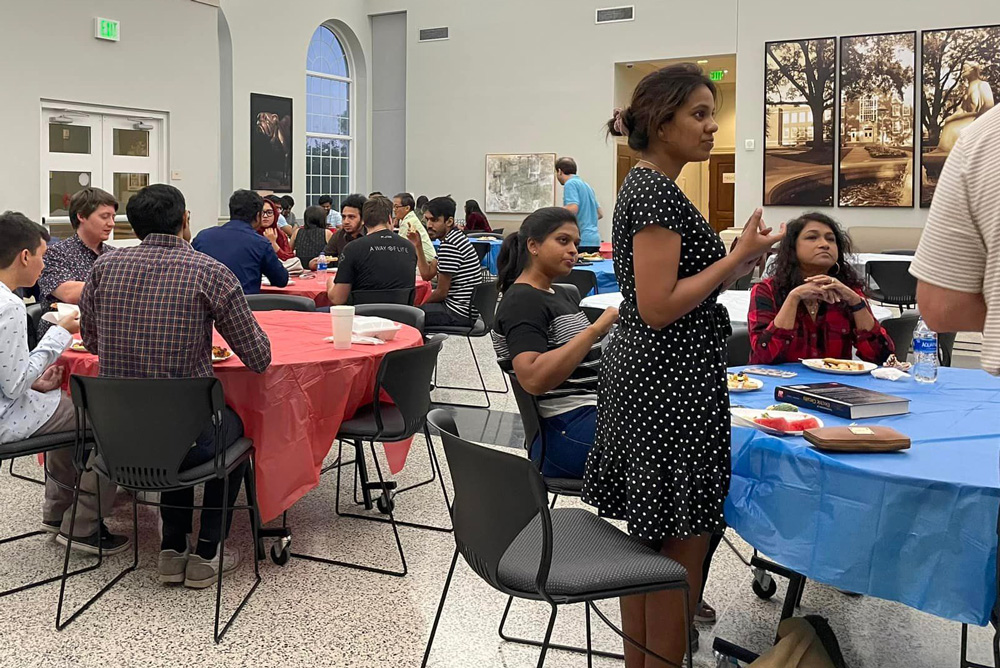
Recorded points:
77,346
740,382
843,367
591,257
894,363
777,420
220,354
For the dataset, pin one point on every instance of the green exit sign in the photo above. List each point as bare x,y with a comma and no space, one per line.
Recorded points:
107,29
717,75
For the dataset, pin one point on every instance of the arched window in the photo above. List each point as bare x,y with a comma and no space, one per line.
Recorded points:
328,119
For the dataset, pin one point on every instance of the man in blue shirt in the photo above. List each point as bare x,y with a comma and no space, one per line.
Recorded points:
579,198
238,246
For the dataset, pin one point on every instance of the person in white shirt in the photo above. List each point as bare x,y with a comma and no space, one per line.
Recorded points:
333,219
31,403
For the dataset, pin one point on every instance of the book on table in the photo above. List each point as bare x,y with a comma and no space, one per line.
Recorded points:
846,401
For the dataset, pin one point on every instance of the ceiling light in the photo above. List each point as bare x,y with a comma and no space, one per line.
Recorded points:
703,62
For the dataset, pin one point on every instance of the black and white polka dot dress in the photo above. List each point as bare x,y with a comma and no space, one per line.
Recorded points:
660,459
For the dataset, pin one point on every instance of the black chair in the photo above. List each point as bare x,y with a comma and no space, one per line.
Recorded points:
498,230
946,349
484,302
405,376
585,281
404,296
743,283
569,289
35,313
507,534
35,446
896,286
483,252
901,331
268,302
407,315
168,415
738,347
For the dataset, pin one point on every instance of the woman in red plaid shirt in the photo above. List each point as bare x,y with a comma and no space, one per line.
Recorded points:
813,305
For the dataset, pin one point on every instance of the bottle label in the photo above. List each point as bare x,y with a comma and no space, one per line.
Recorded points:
925,346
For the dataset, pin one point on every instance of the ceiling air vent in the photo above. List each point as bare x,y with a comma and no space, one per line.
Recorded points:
433,34
616,14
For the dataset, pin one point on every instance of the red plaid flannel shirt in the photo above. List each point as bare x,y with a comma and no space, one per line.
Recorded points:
148,312
832,334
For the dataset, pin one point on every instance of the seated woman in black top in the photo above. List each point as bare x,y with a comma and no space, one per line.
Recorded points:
311,239
543,335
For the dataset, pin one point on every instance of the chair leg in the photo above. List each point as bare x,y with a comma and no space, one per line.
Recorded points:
440,609
486,391
555,497
590,648
535,643
24,477
222,555
548,636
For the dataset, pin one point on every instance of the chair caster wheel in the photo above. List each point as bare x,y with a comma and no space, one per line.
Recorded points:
764,585
280,557
385,506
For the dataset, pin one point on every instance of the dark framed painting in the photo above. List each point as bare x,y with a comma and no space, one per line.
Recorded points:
960,81
270,143
799,101
877,98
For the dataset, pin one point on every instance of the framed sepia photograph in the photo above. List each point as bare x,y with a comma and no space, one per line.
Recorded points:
960,81
270,143
877,98
799,80
520,182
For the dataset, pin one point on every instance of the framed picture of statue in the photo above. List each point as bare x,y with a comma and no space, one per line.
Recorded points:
799,105
960,70
270,143
877,98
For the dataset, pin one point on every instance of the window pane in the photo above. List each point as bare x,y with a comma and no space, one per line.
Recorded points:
69,138
326,54
127,184
131,142
62,186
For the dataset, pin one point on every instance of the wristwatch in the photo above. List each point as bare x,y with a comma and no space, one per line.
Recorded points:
857,307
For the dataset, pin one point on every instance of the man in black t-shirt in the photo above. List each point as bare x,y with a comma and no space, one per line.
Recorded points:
380,260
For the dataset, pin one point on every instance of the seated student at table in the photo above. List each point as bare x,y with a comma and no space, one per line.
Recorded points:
310,240
456,268
407,222
380,260
813,305
238,246
475,219
270,230
351,229
133,340
68,263
286,210
332,217
31,403
542,334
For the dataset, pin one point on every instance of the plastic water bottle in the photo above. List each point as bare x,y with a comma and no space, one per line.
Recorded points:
321,265
925,353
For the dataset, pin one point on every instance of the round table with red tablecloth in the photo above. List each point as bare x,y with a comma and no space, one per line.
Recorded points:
294,409
314,288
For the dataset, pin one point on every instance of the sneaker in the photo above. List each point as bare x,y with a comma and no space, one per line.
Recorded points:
705,613
100,540
172,565
51,526
201,572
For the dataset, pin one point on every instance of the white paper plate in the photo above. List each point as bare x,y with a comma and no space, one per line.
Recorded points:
743,417
216,360
50,317
759,385
817,365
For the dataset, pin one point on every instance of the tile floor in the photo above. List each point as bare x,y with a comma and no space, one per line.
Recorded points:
309,614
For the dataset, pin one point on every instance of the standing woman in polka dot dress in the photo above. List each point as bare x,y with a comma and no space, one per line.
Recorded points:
660,460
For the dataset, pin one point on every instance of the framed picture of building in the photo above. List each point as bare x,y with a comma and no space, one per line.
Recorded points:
960,77
877,98
799,79
270,143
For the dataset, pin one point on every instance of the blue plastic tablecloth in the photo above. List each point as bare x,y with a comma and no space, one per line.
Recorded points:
917,526
605,270
490,260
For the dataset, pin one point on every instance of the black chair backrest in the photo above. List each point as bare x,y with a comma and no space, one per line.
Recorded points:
401,313
743,282
946,347
738,347
496,495
482,251
901,331
143,428
899,252
35,313
498,230
404,296
484,301
569,289
267,302
895,283
527,406
405,375
585,281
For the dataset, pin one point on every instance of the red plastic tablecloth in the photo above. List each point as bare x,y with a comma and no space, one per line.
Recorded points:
294,409
315,289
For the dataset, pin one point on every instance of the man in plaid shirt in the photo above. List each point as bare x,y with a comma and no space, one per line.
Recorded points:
148,312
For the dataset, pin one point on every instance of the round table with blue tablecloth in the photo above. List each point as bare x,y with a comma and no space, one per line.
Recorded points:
917,526
490,260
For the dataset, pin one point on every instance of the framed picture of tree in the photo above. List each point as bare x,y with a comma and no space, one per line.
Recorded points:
960,70
799,78
877,97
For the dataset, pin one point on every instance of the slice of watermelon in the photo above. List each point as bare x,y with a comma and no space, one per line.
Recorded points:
776,423
803,424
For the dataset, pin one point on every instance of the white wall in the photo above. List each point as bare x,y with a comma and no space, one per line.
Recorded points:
522,76
166,61
771,20
269,56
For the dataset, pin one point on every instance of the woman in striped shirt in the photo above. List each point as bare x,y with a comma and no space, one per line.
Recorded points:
541,333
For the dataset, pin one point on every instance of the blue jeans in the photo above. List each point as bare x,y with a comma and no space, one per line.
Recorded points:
568,439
